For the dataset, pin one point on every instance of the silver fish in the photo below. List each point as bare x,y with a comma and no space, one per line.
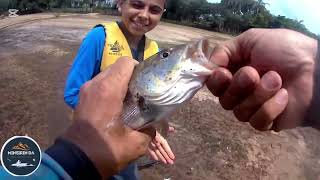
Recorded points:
164,82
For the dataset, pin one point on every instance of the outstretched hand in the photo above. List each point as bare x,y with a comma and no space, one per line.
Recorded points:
159,149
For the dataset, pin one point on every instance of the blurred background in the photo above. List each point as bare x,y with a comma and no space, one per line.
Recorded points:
37,49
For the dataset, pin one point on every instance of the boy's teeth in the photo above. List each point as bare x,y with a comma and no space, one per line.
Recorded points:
139,24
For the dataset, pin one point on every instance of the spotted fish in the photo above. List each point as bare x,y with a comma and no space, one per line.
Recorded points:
164,82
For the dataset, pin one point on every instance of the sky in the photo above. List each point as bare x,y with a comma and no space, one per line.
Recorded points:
306,10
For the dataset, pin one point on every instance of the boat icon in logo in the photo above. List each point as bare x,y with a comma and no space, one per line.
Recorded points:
19,164
21,146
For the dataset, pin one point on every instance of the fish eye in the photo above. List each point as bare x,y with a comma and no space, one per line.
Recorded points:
165,55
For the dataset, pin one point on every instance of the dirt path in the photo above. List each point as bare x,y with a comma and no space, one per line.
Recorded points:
35,57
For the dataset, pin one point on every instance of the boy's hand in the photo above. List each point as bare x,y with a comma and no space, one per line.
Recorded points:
160,150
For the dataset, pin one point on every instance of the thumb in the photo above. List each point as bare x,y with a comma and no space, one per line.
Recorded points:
118,75
234,54
224,53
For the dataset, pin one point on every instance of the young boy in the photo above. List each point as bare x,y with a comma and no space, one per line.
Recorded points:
104,44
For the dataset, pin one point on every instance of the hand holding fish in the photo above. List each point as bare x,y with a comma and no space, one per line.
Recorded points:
267,77
97,129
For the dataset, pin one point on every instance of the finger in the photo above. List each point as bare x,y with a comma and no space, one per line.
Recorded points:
127,63
166,126
163,144
269,85
164,149
270,110
164,153
219,81
153,155
171,129
117,75
221,53
151,151
160,156
243,84
230,54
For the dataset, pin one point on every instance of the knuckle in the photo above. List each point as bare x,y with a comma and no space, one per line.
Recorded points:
244,82
227,102
238,113
103,85
103,91
251,31
268,116
84,88
248,71
263,123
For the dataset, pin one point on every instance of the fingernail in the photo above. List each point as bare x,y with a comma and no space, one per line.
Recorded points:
244,80
136,62
214,76
282,97
270,81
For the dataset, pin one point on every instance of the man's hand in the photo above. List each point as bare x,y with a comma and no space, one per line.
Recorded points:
267,77
97,129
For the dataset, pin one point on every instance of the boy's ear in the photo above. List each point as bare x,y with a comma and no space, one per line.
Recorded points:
120,2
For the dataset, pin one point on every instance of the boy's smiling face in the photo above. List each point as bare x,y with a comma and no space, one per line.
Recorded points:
141,16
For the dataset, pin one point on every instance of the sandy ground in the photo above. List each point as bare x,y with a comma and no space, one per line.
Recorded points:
36,53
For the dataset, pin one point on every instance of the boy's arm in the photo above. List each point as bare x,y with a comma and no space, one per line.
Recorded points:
85,66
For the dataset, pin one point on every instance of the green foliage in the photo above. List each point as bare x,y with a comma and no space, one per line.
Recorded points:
4,4
29,5
232,16
39,5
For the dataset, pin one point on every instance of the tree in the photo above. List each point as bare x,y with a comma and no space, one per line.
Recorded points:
45,4
233,16
260,6
4,4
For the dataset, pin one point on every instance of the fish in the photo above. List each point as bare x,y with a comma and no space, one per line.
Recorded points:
165,82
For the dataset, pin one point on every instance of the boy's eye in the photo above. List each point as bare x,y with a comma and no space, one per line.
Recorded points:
155,10
137,4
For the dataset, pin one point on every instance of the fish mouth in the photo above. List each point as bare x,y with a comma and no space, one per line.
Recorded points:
200,52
